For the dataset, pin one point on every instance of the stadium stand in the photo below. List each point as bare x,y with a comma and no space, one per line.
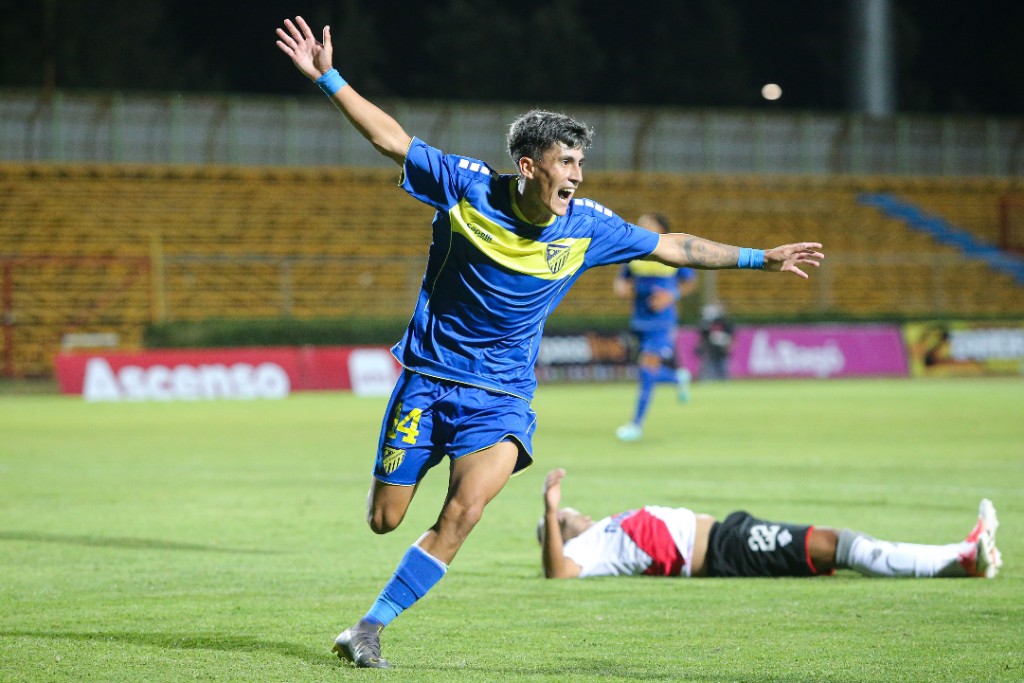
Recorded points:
94,248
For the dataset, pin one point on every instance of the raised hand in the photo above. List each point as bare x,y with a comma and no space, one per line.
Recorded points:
553,488
310,56
789,257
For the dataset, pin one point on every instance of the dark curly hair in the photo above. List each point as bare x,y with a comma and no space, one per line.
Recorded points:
534,132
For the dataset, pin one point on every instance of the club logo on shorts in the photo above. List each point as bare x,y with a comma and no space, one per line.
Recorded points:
556,256
393,458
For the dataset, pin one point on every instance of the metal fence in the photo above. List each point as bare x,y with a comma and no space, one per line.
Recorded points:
196,129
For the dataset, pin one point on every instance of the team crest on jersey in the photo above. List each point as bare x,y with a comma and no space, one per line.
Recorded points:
393,457
556,256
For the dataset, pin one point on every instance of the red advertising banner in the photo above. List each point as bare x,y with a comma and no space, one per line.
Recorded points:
275,372
241,373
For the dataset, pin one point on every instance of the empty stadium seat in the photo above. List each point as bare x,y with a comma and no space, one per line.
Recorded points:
106,248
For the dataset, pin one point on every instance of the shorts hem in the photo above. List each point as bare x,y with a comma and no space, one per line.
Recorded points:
524,460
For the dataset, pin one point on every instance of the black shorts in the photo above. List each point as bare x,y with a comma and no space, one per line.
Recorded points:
742,545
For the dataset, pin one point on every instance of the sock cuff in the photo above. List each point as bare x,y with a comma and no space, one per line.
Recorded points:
419,571
423,555
847,537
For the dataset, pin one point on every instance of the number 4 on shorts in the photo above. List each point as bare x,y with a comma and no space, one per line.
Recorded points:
408,425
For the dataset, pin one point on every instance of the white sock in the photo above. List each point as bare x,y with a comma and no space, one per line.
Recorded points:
872,557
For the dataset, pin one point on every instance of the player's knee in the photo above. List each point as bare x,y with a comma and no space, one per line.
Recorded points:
461,516
470,515
381,520
380,524
821,547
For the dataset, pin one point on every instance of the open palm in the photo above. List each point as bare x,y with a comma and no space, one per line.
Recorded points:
310,56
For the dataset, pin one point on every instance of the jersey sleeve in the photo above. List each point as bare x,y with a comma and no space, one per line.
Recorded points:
437,179
615,240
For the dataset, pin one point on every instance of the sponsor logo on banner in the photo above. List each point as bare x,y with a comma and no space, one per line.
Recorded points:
822,350
589,357
965,348
183,382
564,350
987,344
372,371
786,357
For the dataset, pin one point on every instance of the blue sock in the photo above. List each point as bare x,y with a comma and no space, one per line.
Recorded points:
416,574
647,382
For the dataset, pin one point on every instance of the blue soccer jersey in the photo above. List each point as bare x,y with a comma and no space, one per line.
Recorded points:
493,277
648,276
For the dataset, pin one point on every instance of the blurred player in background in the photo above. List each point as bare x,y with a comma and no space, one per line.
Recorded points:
715,343
656,290
506,249
661,541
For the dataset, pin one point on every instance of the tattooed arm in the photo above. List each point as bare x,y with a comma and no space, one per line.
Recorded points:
688,251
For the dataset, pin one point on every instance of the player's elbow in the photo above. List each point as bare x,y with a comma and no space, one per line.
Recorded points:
670,251
390,153
556,573
395,147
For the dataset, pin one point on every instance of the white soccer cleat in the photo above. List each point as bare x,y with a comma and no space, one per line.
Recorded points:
683,379
630,432
985,559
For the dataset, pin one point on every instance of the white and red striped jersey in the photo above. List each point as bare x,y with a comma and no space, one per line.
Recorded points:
656,541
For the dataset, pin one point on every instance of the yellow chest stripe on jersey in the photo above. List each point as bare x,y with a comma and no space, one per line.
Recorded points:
651,269
546,260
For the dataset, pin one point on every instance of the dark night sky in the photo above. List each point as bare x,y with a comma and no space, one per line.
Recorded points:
951,56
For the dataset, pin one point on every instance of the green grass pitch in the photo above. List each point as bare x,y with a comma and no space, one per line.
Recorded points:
225,541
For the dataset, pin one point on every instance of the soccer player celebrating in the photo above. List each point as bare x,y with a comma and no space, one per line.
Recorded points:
676,542
506,249
656,289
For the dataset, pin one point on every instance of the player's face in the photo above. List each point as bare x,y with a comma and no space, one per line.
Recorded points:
573,523
550,182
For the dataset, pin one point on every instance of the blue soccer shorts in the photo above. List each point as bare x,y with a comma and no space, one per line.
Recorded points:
659,342
428,419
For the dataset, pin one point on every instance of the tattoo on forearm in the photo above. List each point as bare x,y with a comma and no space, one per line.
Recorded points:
708,254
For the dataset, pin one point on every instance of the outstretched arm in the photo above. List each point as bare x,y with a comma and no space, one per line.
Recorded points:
688,251
314,59
556,565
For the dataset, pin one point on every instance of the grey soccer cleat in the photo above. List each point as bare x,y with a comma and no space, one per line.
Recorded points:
360,645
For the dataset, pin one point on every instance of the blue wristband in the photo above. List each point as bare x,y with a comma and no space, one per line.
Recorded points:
751,258
331,82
